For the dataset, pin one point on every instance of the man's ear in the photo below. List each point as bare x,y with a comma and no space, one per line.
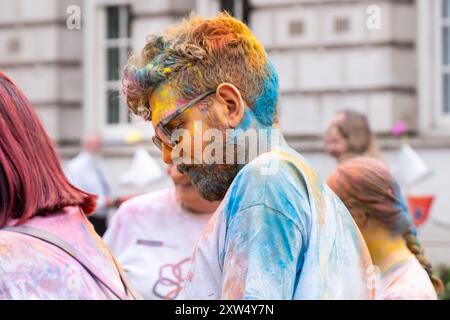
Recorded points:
231,98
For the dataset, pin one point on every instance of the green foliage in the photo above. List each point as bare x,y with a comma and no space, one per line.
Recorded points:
444,273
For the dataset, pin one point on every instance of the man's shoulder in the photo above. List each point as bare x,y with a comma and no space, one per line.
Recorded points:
272,169
274,180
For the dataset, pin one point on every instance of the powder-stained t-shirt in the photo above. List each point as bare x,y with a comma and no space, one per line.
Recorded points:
153,238
31,268
280,233
407,280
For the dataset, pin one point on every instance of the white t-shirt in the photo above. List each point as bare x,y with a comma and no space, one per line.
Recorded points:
407,280
153,238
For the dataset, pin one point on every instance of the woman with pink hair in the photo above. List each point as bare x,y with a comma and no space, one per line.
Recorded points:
48,248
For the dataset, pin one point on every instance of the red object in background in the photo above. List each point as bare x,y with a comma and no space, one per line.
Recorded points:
419,206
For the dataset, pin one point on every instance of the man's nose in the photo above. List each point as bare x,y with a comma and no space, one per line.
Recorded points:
166,154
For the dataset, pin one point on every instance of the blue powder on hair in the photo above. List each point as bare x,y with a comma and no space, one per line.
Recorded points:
154,72
265,105
407,222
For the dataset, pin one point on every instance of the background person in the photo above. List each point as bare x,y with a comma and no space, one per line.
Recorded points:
349,135
153,236
36,196
374,199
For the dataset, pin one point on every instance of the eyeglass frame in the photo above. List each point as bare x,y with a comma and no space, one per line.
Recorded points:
164,122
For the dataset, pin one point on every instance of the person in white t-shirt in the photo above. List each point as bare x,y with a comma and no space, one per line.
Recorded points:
153,236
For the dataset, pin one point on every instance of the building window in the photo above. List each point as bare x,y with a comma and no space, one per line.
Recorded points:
341,24
240,9
296,28
445,57
118,47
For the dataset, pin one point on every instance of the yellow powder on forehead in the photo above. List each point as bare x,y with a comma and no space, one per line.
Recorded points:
163,101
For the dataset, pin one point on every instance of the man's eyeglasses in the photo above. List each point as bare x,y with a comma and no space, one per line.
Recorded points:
163,134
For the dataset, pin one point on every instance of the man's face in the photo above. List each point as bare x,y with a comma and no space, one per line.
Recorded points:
93,144
211,180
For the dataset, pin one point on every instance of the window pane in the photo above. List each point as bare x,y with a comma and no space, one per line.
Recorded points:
124,113
240,9
113,63
112,22
446,93
446,45
227,5
446,8
113,106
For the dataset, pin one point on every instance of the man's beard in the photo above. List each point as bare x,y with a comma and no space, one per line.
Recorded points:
211,180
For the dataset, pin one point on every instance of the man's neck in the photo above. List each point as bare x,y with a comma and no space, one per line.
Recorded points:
200,209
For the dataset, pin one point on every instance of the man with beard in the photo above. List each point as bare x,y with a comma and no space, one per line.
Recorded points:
279,232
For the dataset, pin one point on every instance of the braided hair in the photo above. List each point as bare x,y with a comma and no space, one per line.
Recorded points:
366,183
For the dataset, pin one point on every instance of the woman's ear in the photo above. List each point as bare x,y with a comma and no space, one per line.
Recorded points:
360,217
231,98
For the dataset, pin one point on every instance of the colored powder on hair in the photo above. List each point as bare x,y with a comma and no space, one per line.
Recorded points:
264,107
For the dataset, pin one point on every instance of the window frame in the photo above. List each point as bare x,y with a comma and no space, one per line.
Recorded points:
95,75
439,23
123,44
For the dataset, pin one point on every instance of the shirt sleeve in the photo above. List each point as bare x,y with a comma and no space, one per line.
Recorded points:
262,250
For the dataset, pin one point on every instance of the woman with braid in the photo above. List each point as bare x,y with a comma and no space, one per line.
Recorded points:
373,197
